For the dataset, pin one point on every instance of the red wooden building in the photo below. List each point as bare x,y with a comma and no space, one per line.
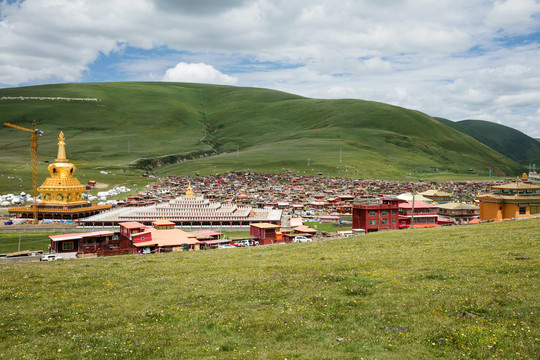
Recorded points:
96,243
376,214
266,233
130,228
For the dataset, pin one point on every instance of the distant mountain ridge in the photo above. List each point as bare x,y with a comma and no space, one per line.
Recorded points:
508,141
184,128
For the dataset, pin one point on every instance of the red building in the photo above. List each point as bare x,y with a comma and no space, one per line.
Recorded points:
130,228
266,233
376,214
425,215
96,243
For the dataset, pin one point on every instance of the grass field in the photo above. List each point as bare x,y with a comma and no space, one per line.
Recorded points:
28,241
328,227
469,292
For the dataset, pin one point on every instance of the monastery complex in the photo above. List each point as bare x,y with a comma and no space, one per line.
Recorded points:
188,211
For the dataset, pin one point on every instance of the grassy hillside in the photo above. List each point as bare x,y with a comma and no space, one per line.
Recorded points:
234,128
467,292
510,142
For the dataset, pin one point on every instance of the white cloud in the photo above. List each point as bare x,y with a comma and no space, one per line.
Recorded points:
198,73
512,13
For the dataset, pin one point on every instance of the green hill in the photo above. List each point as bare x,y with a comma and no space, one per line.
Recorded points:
232,128
468,292
508,141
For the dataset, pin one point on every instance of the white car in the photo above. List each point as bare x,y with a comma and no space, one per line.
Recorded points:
226,246
249,242
301,239
50,257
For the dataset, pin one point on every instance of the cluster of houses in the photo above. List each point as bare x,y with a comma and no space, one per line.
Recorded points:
295,191
162,236
429,208
302,195
392,213
313,196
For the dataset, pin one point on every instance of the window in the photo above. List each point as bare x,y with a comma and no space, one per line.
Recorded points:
384,221
394,212
372,222
67,245
372,213
394,221
384,213
534,210
522,211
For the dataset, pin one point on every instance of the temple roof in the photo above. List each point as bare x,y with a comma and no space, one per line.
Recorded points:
457,206
517,186
435,192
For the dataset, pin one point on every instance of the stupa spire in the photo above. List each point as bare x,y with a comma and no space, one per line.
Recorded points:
61,149
189,191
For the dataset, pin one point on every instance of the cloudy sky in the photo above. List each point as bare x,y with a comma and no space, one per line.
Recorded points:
457,59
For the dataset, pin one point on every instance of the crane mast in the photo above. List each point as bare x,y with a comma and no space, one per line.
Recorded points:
33,146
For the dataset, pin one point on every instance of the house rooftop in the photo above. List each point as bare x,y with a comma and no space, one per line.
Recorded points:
417,205
266,226
77,236
132,225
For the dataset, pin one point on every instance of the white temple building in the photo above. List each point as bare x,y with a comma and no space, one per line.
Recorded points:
189,211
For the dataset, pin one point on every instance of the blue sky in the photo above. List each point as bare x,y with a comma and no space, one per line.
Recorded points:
457,59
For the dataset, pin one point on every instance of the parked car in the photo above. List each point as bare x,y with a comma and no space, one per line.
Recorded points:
226,246
50,257
301,239
248,242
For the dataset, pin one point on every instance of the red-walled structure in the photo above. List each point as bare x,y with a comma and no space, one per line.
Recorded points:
376,214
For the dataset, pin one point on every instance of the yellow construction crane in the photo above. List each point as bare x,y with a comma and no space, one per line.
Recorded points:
33,145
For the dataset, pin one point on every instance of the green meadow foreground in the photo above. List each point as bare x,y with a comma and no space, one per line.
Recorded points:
448,293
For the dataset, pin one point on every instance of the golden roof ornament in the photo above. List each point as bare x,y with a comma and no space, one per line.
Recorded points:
61,149
189,191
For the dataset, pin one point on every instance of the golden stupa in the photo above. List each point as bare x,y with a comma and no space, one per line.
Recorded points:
61,187
189,191
61,194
